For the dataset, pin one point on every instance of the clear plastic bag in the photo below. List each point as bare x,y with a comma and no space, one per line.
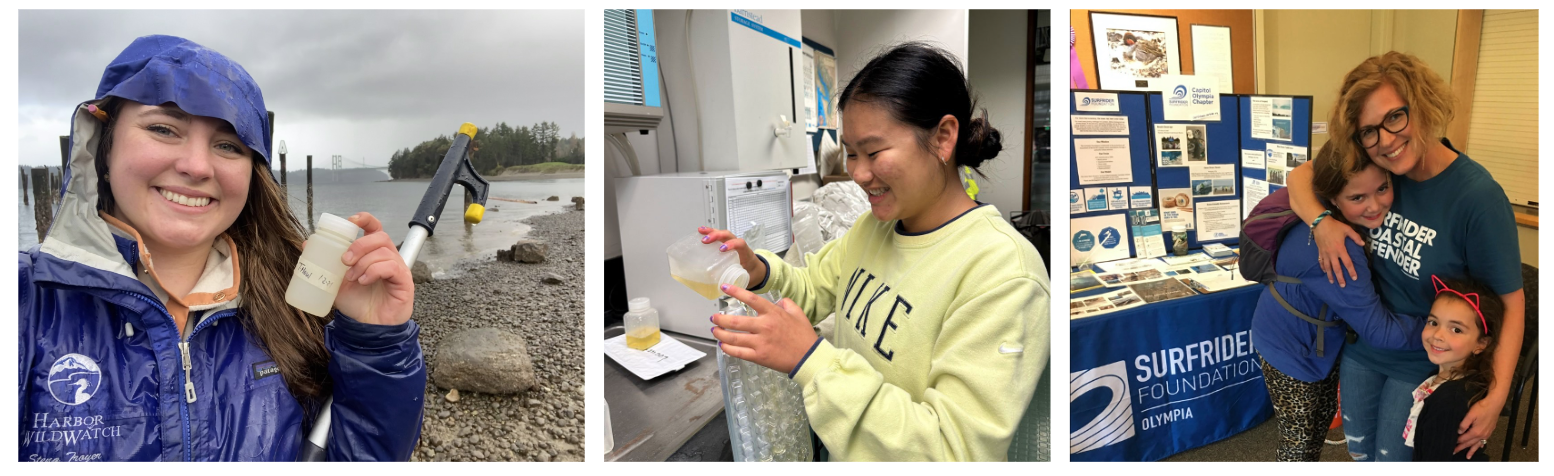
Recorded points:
764,408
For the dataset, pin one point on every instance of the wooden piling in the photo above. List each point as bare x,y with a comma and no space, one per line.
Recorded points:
283,172
43,199
310,194
23,173
64,152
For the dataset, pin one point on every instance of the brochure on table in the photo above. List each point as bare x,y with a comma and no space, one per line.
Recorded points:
1203,175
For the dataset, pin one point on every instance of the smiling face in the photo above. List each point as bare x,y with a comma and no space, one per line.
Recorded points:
1452,333
178,179
887,158
1396,152
1366,198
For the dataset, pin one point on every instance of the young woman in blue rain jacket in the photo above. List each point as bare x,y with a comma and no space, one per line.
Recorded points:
153,317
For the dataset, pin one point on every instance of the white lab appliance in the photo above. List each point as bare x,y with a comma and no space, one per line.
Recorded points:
656,210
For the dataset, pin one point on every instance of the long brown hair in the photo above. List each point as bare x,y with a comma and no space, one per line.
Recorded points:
1479,368
269,239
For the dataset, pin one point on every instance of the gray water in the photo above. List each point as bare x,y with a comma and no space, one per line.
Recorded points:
452,247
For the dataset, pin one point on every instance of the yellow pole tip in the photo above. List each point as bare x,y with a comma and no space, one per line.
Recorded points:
467,129
474,213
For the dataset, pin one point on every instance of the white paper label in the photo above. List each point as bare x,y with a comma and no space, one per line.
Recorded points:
316,275
1096,102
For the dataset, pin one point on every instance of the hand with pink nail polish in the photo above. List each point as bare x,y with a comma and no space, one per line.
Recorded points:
747,257
377,288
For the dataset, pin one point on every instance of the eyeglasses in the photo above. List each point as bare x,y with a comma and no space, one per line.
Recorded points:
1395,122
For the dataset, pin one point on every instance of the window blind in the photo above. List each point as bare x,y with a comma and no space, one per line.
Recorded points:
1503,135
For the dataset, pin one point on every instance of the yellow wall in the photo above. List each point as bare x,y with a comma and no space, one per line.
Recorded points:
1307,52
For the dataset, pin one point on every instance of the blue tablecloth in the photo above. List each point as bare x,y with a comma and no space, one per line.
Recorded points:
1162,378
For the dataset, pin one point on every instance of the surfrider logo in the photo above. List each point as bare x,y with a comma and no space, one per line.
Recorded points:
1085,101
74,378
1180,92
1114,423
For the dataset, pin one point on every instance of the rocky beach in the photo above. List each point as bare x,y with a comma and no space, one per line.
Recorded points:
518,300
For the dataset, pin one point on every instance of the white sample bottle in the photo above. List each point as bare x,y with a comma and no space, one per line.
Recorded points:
641,324
703,268
316,280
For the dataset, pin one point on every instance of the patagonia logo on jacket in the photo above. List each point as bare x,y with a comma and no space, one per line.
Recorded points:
266,369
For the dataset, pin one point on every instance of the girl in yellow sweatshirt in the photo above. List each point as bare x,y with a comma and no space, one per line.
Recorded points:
941,306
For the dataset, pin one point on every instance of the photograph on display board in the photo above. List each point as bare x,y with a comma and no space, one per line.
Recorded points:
1202,188
1379,146
1197,143
1275,176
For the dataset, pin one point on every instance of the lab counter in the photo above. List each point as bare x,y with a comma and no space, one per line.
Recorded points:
652,419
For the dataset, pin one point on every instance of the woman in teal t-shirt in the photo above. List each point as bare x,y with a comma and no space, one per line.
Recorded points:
1450,218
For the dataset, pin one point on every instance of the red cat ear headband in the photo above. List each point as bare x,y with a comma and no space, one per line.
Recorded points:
1471,298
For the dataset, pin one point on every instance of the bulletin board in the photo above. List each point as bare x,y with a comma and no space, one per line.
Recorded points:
1225,140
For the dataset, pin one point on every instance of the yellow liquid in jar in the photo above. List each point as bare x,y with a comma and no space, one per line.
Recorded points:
642,340
709,291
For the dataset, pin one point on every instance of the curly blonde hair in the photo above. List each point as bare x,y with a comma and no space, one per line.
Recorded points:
1430,101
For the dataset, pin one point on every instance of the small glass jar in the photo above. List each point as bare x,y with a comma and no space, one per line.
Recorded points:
1179,239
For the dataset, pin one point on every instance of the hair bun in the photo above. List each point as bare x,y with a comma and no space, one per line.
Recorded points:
982,143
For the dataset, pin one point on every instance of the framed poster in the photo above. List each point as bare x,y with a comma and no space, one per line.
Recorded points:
1133,52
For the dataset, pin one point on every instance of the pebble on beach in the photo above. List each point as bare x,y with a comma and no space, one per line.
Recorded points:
544,423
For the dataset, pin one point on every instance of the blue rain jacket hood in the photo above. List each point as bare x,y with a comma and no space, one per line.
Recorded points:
104,373
159,69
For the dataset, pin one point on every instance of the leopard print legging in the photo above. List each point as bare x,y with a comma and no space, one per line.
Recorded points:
1305,410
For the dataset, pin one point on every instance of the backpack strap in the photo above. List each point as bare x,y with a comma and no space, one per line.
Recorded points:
1320,323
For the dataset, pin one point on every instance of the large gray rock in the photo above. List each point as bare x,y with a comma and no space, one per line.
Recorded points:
420,273
553,198
484,360
530,251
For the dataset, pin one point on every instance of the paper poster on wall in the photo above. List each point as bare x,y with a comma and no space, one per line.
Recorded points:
1176,207
1218,220
1169,139
1102,161
825,93
1140,197
1076,201
1254,192
1096,125
1252,159
1117,198
1211,55
1190,98
1212,180
1272,117
1096,102
1095,199
1147,242
1318,128
1098,238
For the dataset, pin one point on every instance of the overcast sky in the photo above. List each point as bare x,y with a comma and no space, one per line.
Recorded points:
356,83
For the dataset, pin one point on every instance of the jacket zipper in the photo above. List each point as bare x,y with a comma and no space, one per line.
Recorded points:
188,366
